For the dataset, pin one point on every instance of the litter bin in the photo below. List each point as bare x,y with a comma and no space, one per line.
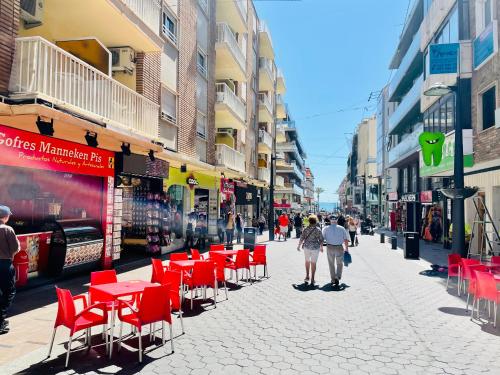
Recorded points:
394,242
411,245
382,237
249,237
21,265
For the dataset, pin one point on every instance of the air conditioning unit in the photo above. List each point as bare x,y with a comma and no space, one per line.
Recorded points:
226,131
122,59
32,12
168,117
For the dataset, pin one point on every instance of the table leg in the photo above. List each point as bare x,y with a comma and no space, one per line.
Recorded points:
111,330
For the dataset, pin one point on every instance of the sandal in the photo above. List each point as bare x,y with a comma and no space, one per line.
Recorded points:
306,280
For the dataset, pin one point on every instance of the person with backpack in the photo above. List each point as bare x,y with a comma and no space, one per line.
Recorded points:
311,241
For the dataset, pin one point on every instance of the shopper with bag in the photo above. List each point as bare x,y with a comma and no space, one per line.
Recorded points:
337,241
311,241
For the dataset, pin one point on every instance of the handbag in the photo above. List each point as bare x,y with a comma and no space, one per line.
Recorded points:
347,258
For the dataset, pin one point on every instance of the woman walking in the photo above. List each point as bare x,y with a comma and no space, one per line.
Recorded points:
352,227
229,228
311,241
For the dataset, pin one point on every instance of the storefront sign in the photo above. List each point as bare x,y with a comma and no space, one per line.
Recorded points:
20,148
409,197
485,44
428,196
431,147
192,181
246,195
443,58
142,165
226,186
448,155
282,205
392,197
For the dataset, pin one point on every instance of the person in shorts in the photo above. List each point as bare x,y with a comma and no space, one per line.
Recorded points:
311,241
283,222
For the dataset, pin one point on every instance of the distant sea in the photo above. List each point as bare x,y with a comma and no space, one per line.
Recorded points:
328,206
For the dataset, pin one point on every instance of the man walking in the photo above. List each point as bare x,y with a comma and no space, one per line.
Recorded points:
337,241
9,246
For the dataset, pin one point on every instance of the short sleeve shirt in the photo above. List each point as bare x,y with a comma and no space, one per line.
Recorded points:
312,237
335,235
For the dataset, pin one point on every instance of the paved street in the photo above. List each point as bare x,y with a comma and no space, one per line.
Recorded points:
387,318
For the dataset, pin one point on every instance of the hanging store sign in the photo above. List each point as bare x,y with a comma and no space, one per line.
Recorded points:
226,186
392,196
432,147
443,58
429,196
409,197
20,148
192,181
142,165
485,45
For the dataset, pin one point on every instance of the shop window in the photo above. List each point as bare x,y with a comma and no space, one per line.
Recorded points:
175,198
488,106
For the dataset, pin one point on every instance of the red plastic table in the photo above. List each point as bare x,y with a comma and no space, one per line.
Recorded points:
117,290
228,253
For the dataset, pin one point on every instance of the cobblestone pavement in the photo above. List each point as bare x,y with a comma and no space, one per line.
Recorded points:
387,318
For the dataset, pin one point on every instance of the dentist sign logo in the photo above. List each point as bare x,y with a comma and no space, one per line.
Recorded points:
432,148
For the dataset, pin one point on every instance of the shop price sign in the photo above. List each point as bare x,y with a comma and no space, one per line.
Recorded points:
20,148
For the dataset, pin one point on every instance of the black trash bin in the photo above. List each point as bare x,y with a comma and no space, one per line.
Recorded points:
249,237
382,237
411,245
394,242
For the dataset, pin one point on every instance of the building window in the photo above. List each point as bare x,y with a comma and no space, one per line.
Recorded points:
201,125
168,105
202,63
169,27
488,106
487,13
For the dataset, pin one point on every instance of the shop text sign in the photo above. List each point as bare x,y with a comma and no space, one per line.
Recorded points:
444,58
20,148
226,186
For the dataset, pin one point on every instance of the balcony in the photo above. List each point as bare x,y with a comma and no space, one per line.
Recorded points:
267,75
230,60
230,111
291,167
410,67
433,20
280,135
265,108
279,181
264,174
280,107
44,71
265,145
408,110
134,23
291,188
280,83
406,148
233,12
229,158
292,148
266,44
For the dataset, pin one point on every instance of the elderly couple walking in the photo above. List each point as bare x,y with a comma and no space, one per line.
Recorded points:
312,240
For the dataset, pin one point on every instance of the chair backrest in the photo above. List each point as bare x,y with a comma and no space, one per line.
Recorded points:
243,259
473,270
195,254
495,259
158,272
103,277
466,263
454,259
259,254
217,247
179,256
203,273
172,278
155,304
66,310
486,287
220,262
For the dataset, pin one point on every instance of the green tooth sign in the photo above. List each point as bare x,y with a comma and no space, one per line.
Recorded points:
432,148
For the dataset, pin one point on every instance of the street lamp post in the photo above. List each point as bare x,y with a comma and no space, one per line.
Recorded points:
270,218
458,218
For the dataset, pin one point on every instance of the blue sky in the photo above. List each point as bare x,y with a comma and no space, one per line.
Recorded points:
333,53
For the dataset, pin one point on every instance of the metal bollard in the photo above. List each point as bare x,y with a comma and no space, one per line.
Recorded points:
382,237
394,242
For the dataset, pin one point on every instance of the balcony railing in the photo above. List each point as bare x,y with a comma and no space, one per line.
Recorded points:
43,70
266,138
410,100
279,181
296,189
226,96
267,65
226,36
242,7
407,146
264,100
264,29
148,11
412,53
264,174
230,158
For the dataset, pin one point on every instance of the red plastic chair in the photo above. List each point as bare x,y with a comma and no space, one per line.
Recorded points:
203,276
158,270
473,269
179,256
154,306
465,272
84,320
259,259
220,270
216,247
242,261
454,261
495,259
486,288
195,254
173,279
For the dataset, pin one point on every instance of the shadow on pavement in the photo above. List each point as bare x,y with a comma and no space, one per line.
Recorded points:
328,287
454,311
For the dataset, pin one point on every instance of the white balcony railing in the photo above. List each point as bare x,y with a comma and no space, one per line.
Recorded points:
407,146
410,100
264,29
242,7
406,62
265,101
226,96
230,158
267,66
227,37
43,70
279,181
148,11
296,189
264,174
266,138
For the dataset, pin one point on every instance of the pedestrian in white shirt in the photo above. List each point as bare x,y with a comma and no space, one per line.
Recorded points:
337,241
